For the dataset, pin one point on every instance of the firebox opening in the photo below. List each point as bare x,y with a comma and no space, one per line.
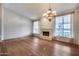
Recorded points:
45,33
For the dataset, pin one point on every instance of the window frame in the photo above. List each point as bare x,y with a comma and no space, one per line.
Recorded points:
64,28
34,27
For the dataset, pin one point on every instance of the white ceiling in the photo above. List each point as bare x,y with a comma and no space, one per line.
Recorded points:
35,10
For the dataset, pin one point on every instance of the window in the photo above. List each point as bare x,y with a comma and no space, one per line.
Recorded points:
36,27
63,26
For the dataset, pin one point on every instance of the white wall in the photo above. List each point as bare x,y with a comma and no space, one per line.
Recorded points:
76,27
16,25
0,21
0,28
0,10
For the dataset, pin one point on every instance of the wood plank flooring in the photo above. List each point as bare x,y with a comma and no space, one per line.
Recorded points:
33,46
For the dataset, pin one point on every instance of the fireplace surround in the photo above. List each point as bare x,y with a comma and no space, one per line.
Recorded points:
47,28
46,34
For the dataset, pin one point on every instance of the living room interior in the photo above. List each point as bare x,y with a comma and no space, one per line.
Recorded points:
39,29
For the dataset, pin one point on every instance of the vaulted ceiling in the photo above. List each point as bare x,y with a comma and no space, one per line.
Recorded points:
35,10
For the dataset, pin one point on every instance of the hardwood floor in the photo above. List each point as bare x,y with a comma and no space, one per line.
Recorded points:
33,46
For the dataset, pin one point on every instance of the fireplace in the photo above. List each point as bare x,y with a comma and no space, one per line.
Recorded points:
45,33
46,28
